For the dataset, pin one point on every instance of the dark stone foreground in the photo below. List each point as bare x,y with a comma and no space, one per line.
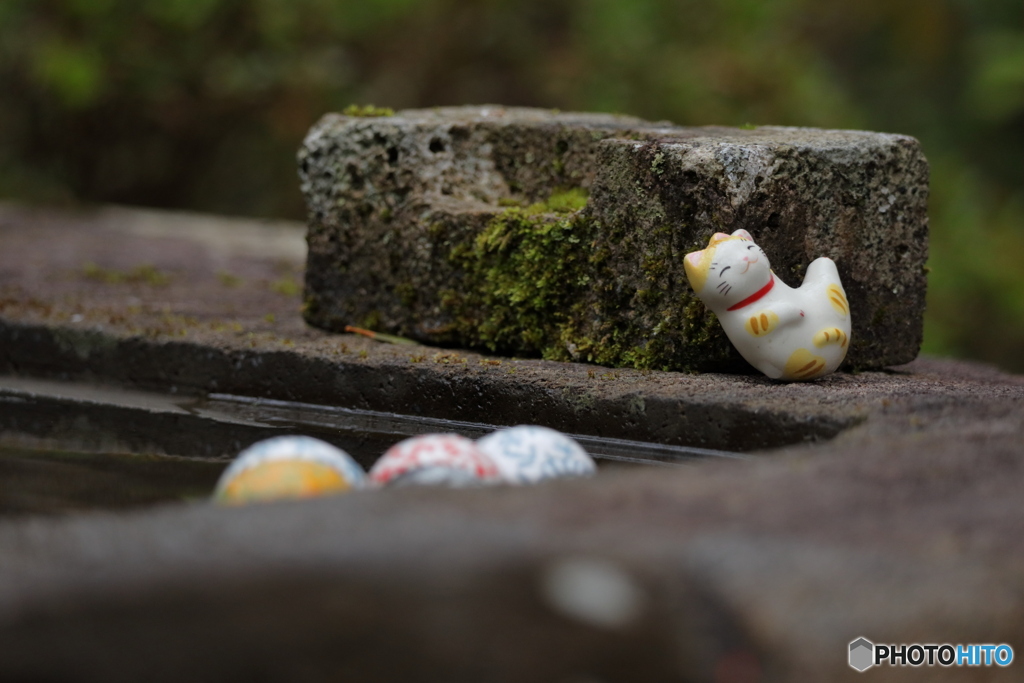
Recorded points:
903,528
442,225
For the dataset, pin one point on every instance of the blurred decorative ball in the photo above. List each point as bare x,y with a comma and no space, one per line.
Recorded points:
288,467
527,454
435,459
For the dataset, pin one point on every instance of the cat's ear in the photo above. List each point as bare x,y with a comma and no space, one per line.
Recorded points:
717,237
744,234
696,265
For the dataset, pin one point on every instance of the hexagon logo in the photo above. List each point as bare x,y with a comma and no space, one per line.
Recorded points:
862,654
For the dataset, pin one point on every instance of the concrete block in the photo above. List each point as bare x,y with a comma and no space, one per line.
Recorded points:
561,235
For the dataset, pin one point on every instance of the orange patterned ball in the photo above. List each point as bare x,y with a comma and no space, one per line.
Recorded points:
288,467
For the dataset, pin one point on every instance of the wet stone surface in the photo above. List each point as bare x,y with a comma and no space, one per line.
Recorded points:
562,235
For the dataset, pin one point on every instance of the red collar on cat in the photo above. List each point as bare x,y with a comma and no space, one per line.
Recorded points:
755,296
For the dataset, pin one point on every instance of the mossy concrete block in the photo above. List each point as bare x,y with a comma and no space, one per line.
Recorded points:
532,232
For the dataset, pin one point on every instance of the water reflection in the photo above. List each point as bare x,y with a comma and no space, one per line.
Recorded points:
53,482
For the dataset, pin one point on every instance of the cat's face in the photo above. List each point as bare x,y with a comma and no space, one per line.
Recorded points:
729,270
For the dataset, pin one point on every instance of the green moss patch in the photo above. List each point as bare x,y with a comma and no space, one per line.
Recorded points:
367,110
544,280
522,274
144,274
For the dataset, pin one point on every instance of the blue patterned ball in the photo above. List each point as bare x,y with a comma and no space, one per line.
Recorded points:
527,454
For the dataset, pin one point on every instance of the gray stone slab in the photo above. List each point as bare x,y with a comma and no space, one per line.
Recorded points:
900,528
418,228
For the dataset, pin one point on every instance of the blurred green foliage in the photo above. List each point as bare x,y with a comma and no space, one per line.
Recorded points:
200,104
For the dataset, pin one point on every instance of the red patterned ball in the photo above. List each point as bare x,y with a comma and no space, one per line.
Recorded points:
435,459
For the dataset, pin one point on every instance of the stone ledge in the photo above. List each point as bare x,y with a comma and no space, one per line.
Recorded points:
201,333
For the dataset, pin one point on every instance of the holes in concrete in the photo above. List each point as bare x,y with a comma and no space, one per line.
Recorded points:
355,177
437,145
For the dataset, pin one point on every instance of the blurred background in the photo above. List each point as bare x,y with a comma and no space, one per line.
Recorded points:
201,104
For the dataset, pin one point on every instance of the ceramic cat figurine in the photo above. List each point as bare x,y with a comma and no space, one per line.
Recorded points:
789,334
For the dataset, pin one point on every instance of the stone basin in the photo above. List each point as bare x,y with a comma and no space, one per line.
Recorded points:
880,504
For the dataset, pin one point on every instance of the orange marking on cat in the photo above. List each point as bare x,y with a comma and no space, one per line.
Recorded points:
762,323
698,263
813,368
838,300
829,335
814,372
803,364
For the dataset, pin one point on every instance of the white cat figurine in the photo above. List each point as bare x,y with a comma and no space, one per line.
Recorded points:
789,334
